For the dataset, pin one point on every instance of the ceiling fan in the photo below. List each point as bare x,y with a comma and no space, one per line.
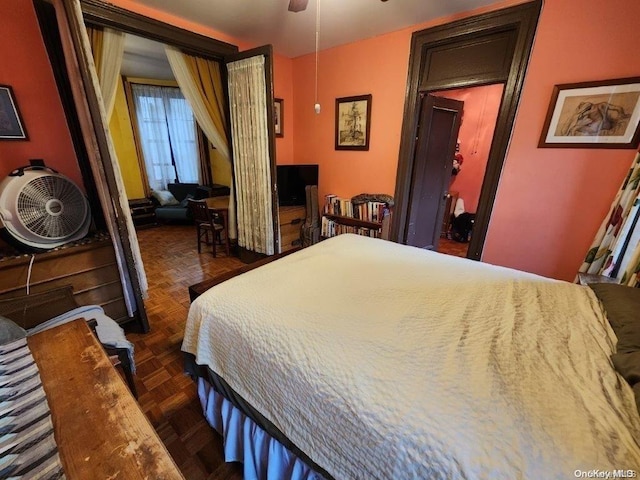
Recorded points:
301,5
298,5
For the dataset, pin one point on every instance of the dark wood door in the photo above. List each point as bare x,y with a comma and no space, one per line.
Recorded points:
432,164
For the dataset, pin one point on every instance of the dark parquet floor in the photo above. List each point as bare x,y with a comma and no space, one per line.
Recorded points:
168,397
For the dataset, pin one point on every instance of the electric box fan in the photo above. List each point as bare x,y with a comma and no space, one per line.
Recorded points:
41,208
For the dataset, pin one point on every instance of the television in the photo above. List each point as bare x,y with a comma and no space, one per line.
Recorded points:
291,180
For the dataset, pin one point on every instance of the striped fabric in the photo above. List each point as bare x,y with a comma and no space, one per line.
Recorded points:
27,446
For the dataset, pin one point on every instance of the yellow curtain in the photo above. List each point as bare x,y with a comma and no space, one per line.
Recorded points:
96,38
200,82
207,76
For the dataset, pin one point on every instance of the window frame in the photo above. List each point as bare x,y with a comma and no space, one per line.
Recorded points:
128,90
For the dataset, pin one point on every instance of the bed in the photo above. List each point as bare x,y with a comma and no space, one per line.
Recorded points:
369,359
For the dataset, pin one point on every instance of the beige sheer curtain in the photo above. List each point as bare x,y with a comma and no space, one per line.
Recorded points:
200,82
108,46
252,163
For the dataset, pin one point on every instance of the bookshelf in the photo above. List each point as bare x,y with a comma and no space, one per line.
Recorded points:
368,218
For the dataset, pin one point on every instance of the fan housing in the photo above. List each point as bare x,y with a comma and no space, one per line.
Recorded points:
43,209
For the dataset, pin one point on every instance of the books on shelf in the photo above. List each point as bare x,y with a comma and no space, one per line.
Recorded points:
331,228
341,215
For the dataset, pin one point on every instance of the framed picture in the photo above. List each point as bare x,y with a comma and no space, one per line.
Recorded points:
602,114
278,108
353,120
11,127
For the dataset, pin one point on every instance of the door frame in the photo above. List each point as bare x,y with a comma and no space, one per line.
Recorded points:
520,22
87,129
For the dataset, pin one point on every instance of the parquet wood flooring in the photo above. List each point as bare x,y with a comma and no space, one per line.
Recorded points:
451,247
168,397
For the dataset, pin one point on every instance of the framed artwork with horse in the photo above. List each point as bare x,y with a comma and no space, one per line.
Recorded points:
603,114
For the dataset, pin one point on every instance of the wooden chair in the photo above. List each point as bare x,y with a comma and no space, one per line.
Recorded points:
204,223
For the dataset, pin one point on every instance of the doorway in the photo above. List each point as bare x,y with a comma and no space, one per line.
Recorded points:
481,107
486,49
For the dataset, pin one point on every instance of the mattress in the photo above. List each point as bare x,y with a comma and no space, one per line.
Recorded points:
380,360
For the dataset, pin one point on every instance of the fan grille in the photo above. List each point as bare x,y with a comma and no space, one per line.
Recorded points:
51,207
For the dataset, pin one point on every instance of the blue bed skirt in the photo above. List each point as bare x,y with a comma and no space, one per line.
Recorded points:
263,457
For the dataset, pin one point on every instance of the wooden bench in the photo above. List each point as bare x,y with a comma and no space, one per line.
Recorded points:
99,428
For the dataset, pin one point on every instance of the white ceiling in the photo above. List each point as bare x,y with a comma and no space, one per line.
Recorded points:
145,58
261,22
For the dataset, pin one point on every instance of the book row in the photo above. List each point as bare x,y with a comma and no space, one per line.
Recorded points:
330,228
369,211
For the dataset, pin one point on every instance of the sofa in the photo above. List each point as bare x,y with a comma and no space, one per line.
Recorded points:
173,203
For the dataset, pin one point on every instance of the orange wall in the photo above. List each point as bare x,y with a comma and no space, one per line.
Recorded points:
550,202
25,67
481,105
377,66
283,88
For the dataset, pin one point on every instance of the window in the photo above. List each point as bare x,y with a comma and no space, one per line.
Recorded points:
167,135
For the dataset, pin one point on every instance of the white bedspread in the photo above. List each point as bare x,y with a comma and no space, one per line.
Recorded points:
385,361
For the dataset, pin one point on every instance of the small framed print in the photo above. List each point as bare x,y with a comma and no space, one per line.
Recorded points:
278,114
353,122
11,126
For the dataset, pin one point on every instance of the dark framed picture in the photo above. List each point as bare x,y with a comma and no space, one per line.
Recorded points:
603,114
278,110
11,126
353,121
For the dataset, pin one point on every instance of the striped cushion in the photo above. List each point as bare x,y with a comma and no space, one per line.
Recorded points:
27,446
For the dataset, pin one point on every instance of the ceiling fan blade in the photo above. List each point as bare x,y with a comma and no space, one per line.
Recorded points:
297,5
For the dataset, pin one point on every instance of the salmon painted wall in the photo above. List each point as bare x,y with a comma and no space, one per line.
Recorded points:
25,67
481,105
550,202
376,66
283,88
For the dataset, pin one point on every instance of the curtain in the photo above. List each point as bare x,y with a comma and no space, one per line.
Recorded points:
630,261
200,82
108,48
250,136
204,165
182,134
608,247
154,136
167,135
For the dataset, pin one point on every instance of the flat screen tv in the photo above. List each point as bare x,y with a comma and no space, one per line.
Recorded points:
291,182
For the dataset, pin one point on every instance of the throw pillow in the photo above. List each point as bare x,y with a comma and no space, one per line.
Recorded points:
622,304
185,203
164,197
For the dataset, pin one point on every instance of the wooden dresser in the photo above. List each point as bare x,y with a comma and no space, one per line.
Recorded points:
90,268
291,220
99,428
